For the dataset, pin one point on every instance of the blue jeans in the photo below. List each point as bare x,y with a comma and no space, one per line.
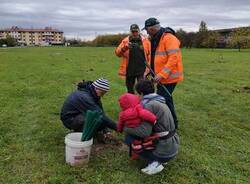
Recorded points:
147,155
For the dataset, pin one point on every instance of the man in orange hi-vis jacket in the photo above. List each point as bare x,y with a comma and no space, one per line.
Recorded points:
166,61
134,51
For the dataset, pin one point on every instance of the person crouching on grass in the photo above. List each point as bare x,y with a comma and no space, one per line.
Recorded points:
165,147
87,96
132,115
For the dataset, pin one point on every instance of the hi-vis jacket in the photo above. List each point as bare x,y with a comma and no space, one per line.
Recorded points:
168,59
125,55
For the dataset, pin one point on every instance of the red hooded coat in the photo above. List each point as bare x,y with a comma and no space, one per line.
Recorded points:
133,114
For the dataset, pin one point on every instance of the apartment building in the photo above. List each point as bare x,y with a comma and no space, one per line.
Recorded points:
44,36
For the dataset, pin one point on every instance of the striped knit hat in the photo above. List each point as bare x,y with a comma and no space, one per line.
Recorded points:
102,84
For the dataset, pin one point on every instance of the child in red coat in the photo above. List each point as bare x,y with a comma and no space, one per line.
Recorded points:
133,114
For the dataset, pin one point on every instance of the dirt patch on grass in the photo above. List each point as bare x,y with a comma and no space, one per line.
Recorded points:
90,70
244,89
68,59
116,144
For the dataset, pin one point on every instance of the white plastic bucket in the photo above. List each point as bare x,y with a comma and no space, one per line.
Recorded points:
76,151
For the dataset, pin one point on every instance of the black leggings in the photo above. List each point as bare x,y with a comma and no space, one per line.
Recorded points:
130,82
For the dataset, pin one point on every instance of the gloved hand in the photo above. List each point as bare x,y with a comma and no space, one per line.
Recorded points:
125,48
158,78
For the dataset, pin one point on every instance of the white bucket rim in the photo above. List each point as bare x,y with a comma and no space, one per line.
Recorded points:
77,144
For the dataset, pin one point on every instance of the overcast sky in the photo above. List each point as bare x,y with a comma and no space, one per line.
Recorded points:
86,19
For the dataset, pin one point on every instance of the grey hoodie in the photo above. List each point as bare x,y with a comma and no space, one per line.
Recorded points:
165,148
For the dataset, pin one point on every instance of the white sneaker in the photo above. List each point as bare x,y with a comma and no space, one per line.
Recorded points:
145,169
165,163
153,168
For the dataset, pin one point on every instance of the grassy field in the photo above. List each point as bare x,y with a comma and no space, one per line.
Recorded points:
213,106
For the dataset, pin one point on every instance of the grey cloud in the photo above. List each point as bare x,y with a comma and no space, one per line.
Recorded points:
86,19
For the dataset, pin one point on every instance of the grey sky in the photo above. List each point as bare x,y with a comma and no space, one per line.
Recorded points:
85,19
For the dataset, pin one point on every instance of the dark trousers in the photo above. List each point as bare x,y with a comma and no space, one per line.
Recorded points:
76,123
169,99
130,82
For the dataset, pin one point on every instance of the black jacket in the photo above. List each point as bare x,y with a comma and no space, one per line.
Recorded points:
81,100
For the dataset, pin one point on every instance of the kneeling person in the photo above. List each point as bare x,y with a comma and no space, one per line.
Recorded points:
86,97
166,147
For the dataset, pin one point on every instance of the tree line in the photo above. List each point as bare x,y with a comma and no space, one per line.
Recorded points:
99,41
203,38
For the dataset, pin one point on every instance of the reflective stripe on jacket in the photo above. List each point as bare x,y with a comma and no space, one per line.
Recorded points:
168,59
125,55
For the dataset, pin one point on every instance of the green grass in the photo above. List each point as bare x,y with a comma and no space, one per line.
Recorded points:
214,118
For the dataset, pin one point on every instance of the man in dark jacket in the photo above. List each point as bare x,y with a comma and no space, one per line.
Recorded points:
86,97
134,51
